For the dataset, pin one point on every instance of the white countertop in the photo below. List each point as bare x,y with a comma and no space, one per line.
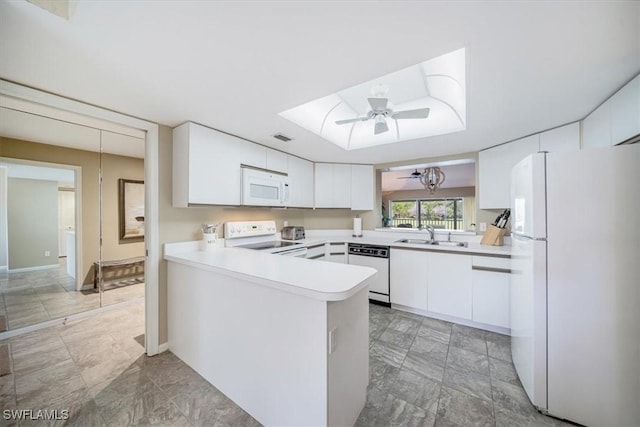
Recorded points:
331,282
389,239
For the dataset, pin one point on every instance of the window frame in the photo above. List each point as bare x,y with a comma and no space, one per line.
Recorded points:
458,205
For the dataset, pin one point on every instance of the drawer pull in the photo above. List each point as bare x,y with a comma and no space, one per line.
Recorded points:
492,269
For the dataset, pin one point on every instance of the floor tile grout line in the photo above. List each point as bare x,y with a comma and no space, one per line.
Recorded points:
493,403
444,374
166,396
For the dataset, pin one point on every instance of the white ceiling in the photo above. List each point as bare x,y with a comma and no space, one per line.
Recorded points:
234,65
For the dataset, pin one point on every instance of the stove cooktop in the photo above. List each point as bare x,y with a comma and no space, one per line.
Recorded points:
273,244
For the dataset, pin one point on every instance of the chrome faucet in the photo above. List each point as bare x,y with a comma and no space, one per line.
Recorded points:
431,231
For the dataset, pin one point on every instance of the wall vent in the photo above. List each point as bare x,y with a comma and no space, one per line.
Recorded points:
282,137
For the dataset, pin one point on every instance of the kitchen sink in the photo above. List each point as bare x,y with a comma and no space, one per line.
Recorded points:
435,242
414,241
445,243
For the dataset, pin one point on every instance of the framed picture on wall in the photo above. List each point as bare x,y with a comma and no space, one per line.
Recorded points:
131,210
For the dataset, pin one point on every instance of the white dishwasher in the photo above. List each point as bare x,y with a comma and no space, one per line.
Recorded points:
374,256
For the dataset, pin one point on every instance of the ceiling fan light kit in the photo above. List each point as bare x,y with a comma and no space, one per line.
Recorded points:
423,100
379,112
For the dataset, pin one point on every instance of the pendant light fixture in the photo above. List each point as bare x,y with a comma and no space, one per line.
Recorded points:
432,178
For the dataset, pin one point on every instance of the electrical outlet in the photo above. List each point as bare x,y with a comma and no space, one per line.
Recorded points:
483,226
47,253
333,339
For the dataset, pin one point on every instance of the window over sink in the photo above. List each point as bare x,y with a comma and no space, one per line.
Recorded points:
441,213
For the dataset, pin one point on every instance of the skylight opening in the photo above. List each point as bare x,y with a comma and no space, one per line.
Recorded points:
423,100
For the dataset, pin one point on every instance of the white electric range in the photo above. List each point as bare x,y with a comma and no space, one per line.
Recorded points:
262,236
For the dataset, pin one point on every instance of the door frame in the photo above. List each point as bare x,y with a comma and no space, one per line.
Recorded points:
152,241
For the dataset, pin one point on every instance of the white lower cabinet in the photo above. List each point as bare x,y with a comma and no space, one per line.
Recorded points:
474,288
408,278
316,251
449,284
491,295
336,252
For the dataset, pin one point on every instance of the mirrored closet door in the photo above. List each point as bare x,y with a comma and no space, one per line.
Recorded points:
68,192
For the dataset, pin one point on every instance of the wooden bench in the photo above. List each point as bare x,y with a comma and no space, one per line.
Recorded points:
119,265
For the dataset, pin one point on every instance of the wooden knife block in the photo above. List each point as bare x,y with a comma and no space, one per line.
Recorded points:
493,236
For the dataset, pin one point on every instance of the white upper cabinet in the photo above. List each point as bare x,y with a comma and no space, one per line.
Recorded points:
323,188
300,182
616,120
277,160
596,127
341,186
563,138
494,171
363,187
625,112
206,165
206,171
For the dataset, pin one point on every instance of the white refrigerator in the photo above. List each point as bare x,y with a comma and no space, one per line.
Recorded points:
575,288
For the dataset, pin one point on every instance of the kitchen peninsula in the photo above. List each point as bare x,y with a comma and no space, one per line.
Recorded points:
284,339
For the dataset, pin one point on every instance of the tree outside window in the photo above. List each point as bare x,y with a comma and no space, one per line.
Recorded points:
439,213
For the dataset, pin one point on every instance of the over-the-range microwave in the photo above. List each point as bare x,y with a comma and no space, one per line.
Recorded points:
264,188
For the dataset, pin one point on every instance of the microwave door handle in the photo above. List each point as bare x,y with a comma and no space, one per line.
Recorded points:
285,193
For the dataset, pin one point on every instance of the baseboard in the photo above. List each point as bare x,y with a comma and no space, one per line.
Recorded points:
163,347
453,319
36,268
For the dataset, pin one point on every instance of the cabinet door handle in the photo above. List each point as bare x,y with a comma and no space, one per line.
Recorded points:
492,269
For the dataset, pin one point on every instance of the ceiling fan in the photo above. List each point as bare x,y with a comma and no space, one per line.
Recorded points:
432,177
380,113
414,175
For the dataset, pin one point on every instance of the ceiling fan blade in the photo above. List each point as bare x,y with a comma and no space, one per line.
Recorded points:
407,177
357,119
420,113
381,127
378,104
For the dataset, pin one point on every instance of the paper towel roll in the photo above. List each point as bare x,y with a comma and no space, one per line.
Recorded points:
357,227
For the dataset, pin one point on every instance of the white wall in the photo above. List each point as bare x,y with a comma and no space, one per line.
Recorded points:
32,217
3,217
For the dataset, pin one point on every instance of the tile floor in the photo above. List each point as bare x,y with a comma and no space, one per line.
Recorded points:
426,372
423,372
28,298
